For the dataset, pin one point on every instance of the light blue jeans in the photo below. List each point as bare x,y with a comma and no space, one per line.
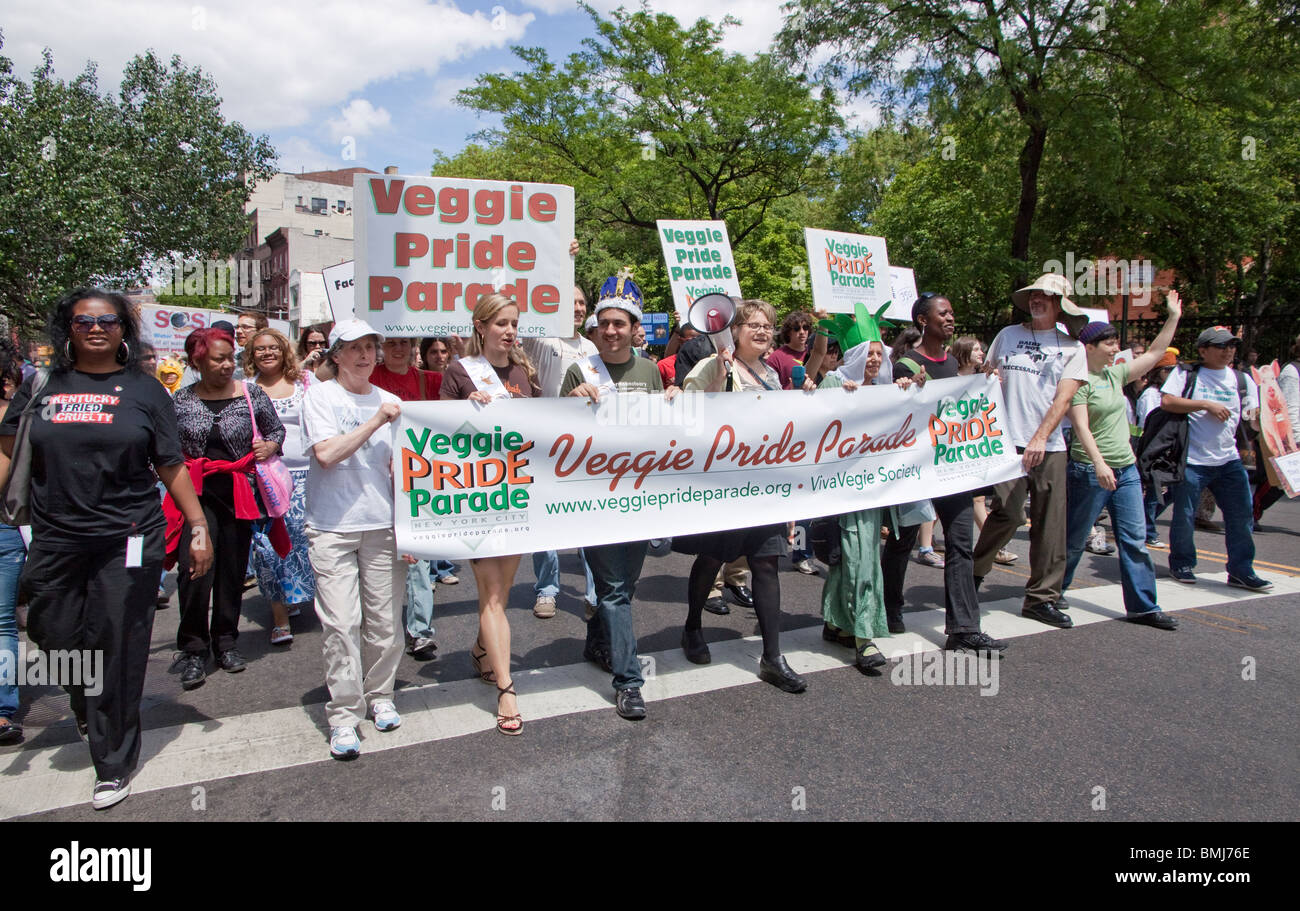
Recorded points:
546,566
1086,498
12,556
419,600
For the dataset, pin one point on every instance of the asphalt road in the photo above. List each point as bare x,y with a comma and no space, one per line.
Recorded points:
1107,721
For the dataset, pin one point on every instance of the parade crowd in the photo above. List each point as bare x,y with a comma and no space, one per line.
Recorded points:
268,457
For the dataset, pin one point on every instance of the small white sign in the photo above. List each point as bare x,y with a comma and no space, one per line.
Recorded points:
699,261
902,283
848,268
340,282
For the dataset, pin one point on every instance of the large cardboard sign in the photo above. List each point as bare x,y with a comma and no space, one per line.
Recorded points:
523,475
428,247
848,268
166,328
699,261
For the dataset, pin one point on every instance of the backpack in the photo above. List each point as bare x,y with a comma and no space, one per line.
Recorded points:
1162,450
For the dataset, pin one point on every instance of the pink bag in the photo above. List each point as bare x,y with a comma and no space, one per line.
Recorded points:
274,482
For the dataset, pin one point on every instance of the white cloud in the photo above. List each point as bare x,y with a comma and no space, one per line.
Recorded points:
444,91
861,113
359,118
760,19
298,154
274,63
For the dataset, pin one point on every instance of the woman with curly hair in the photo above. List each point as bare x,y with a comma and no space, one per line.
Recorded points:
104,428
270,360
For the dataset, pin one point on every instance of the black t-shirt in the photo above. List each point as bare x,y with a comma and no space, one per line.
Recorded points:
95,441
935,370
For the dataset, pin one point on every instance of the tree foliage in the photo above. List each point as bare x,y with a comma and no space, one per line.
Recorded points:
96,188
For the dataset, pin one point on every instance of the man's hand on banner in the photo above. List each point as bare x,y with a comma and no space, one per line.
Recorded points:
586,390
671,393
479,396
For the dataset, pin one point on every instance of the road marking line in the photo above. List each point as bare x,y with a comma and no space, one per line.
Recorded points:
1229,619
35,780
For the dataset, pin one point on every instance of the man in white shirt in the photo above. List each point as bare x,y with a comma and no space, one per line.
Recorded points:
1041,368
552,357
1220,398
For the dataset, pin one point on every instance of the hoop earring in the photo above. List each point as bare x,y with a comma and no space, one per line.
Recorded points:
123,353
67,351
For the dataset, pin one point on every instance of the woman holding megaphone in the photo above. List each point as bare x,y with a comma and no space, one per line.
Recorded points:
743,369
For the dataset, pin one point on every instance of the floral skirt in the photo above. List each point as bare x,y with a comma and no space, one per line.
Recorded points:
288,579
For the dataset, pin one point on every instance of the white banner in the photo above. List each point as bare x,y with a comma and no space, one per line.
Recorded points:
166,328
524,475
699,261
428,247
846,269
340,281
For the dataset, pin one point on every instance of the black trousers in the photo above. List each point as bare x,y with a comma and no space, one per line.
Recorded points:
89,601
221,588
961,606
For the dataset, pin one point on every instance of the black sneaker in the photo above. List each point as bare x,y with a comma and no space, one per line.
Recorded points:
600,658
1251,583
974,642
110,791
1046,613
1157,618
193,671
629,704
1185,576
231,661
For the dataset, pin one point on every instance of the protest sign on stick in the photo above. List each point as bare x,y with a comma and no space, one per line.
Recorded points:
699,261
428,247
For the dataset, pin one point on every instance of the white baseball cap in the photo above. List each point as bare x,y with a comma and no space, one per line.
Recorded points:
352,329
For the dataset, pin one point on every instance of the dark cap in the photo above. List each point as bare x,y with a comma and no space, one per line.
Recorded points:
1216,335
224,326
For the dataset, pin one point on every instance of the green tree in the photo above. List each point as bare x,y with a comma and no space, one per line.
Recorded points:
653,120
95,189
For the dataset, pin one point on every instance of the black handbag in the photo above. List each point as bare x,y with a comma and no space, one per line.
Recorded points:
15,498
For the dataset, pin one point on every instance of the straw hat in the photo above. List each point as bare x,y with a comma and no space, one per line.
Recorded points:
1056,284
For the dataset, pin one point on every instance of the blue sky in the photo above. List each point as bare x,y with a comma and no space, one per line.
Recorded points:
325,78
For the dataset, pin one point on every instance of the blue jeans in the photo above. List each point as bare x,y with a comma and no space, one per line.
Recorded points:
546,566
443,568
1231,488
616,569
1154,505
12,556
1085,499
419,600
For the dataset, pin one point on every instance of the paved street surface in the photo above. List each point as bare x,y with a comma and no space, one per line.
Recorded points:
1148,724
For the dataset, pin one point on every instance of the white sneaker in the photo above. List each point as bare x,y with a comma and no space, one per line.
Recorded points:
386,717
450,579
344,743
544,609
806,567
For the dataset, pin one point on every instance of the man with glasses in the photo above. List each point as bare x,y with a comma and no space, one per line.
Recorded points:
1041,368
1215,399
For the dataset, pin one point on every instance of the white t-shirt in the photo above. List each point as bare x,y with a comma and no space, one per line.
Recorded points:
1033,362
1148,402
1289,382
357,493
289,410
553,356
1209,441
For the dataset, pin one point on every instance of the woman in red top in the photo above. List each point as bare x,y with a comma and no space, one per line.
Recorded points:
398,374
494,367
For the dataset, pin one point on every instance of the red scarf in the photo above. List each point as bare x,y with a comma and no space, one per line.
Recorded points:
245,505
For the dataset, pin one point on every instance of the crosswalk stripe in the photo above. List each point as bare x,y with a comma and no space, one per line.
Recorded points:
35,780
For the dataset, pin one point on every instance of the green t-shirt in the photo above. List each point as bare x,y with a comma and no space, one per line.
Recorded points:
1107,417
636,374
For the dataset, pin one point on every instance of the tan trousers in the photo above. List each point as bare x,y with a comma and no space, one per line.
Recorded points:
1047,508
360,583
734,573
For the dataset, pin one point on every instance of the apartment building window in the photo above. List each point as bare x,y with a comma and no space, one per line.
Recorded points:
343,205
319,204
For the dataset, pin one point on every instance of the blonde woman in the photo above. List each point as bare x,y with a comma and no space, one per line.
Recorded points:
494,367
270,360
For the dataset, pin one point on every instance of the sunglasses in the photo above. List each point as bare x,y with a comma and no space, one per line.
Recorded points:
316,344
83,323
